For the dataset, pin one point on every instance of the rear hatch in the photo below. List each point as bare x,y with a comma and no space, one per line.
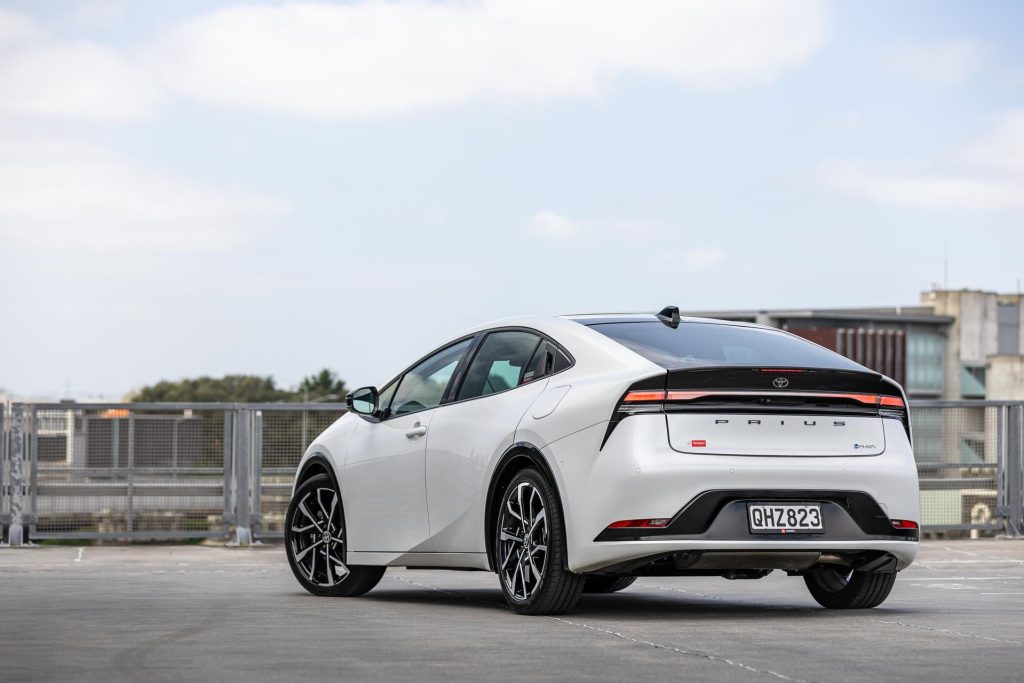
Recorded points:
735,389
773,411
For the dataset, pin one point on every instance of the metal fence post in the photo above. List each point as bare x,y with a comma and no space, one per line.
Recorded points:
1014,471
16,534
256,517
242,452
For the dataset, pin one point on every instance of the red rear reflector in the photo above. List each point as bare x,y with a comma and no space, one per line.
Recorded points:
699,443
634,396
903,524
656,523
891,401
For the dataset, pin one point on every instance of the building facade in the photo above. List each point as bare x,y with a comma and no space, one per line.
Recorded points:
957,344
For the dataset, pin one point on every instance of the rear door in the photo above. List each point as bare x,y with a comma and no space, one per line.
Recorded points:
506,375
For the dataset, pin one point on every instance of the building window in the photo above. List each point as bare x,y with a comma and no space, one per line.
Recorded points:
972,382
924,362
1008,319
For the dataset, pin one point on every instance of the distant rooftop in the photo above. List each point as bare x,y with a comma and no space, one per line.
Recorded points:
912,314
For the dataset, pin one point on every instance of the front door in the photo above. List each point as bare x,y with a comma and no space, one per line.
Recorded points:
383,487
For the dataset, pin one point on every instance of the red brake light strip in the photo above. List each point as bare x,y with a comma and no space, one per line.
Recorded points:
868,399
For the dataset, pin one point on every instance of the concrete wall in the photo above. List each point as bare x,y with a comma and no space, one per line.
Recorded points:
974,338
1004,378
945,302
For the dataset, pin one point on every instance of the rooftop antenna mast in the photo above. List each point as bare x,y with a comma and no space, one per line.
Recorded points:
945,266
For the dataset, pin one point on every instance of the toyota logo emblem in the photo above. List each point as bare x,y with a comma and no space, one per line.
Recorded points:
780,382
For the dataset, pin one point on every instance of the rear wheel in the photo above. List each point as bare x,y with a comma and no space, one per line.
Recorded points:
315,542
607,584
842,588
530,548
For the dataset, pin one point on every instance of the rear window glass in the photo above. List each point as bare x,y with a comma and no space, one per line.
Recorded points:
693,345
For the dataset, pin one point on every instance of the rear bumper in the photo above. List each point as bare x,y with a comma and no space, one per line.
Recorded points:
638,476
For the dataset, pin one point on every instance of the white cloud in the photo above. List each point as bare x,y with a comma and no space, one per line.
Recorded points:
553,226
986,175
693,260
556,227
942,63
914,186
65,195
375,57
372,57
42,77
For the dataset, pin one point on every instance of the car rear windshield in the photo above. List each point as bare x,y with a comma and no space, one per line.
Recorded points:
694,345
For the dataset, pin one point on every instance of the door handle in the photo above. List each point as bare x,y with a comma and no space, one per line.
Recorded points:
416,431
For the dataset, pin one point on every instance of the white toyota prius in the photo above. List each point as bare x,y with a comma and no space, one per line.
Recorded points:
573,454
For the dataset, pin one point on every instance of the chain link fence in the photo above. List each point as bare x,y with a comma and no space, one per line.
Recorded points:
969,463
193,470
152,471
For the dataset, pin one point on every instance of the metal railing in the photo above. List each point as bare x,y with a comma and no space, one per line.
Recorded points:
215,470
969,460
153,470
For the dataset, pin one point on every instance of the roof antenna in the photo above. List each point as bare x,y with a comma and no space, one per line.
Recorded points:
670,316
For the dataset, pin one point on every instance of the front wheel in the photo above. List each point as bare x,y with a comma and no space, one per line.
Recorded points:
841,588
315,542
530,548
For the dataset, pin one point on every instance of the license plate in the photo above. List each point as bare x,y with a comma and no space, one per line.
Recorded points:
785,518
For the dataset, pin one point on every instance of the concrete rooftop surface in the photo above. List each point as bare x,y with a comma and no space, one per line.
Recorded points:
197,613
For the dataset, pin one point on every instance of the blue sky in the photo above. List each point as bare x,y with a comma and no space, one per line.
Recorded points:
216,188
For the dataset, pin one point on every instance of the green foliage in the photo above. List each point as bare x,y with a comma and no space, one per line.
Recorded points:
323,384
241,389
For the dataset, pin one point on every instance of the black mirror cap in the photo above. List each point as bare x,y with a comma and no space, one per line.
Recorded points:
357,398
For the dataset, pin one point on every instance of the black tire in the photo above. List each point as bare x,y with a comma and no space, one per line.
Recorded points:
547,586
304,538
607,584
840,588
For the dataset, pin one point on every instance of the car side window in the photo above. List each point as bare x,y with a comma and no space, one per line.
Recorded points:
423,386
384,400
541,364
499,364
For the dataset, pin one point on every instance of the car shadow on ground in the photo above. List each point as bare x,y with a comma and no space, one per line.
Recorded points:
648,605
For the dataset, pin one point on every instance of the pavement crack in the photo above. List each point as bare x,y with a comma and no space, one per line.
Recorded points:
832,615
958,634
659,646
689,653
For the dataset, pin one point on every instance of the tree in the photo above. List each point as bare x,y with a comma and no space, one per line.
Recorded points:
324,385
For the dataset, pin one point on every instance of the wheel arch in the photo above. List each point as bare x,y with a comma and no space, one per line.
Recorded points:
517,457
317,463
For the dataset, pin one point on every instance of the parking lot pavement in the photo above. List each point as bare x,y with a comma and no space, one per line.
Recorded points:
192,613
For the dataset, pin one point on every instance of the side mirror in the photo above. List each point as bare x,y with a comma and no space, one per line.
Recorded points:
363,400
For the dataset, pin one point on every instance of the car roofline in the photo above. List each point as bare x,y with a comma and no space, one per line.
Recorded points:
602,318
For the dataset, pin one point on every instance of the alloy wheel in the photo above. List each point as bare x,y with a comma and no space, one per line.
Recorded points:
523,541
317,537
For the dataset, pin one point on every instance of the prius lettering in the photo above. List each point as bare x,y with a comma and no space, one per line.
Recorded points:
782,423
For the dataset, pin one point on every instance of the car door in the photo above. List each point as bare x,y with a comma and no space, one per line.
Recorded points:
383,486
468,434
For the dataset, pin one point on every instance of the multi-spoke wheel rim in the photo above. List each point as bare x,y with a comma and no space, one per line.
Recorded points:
523,541
316,537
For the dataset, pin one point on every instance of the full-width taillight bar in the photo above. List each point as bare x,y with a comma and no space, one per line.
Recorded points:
867,399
